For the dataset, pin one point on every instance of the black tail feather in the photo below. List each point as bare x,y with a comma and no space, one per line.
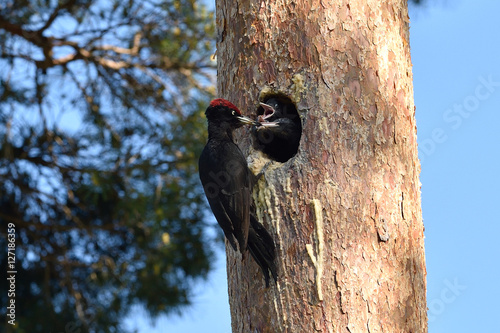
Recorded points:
262,249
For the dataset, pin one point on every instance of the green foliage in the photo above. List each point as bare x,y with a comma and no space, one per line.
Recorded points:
100,128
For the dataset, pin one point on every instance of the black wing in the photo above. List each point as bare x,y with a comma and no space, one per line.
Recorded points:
226,180
262,248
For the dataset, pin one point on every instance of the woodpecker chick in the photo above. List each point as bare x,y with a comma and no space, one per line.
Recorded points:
278,130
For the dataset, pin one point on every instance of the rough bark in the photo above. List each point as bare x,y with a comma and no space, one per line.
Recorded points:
345,211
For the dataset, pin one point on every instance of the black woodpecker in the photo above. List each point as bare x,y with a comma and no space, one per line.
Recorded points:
227,182
279,129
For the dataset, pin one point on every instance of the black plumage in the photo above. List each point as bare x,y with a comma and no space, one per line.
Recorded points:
227,182
279,129
262,249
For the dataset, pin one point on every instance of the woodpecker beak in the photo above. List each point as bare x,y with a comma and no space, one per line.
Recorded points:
266,124
247,121
268,112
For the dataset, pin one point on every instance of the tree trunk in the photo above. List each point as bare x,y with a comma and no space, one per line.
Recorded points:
345,211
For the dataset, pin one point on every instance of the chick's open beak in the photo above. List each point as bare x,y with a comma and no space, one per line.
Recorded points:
262,119
268,111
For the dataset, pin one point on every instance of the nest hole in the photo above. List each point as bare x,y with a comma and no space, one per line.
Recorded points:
281,141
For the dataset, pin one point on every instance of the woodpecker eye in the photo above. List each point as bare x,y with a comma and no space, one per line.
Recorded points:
234,113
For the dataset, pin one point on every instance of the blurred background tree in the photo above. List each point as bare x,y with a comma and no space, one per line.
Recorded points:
101,105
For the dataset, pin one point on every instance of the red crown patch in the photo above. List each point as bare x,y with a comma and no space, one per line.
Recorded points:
223,102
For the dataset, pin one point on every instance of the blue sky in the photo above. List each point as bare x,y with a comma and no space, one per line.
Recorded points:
456,67
455,51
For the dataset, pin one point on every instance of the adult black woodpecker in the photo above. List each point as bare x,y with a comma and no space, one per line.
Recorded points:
228,183
279,129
